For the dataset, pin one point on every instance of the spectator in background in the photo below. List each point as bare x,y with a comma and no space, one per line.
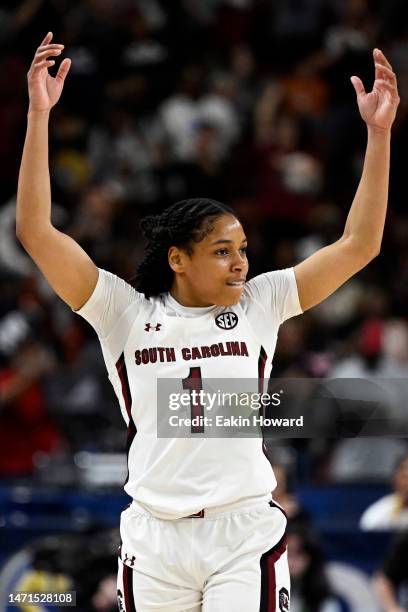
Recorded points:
288,176
25,426
83,562
391,583
391,511
374,372
179,113
310,589
286,498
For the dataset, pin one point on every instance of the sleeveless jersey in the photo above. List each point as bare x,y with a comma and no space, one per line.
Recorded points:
144,340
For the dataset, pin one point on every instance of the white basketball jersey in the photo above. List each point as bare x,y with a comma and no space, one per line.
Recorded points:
146,339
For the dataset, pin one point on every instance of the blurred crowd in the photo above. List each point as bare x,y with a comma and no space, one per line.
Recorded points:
245,101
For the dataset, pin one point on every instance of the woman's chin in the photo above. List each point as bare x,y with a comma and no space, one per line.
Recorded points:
231,298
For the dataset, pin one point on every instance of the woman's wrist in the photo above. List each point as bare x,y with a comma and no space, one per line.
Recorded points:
33,112
378,131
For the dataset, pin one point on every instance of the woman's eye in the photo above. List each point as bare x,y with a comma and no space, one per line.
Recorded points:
226,252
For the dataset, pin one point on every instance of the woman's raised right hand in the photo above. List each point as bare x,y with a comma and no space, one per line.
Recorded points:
43,89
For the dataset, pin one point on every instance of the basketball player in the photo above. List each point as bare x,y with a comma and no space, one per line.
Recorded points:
202,532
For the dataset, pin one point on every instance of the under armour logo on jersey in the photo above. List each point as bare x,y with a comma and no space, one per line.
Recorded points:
226,320
129,560
149,327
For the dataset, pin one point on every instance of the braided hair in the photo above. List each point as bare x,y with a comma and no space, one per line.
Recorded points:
180,225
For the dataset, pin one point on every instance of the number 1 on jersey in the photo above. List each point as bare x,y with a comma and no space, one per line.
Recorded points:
194,383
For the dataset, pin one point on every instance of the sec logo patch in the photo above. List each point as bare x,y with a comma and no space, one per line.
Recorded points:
226,320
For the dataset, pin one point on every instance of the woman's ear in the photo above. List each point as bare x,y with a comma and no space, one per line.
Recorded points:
176,259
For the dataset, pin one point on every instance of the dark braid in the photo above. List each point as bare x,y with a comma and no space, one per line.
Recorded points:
179,225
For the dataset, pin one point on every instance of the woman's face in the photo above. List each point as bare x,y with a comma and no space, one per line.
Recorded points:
216,270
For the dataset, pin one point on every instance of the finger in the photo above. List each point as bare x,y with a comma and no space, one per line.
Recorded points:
358,85
382,84
63,69
380,58
53,46
47,39
385,73
39,57
47,48
43,64
47,53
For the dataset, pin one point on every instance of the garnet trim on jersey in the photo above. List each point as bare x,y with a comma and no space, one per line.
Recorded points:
261,368
268,576
262,359
124,381
127,398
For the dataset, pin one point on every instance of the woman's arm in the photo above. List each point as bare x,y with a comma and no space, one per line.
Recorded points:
67,267
327,269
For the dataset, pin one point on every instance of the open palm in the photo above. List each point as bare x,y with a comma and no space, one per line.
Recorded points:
378,108
45,90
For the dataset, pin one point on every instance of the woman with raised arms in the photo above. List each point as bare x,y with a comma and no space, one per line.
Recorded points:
202,532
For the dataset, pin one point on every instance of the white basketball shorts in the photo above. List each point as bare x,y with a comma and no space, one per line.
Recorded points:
232,559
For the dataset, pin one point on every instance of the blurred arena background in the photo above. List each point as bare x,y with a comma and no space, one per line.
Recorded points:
248,102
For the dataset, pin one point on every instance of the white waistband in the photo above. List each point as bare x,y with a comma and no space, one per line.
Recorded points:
241,504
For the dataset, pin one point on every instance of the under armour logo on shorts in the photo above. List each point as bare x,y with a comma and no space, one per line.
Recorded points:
129,560
149,327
